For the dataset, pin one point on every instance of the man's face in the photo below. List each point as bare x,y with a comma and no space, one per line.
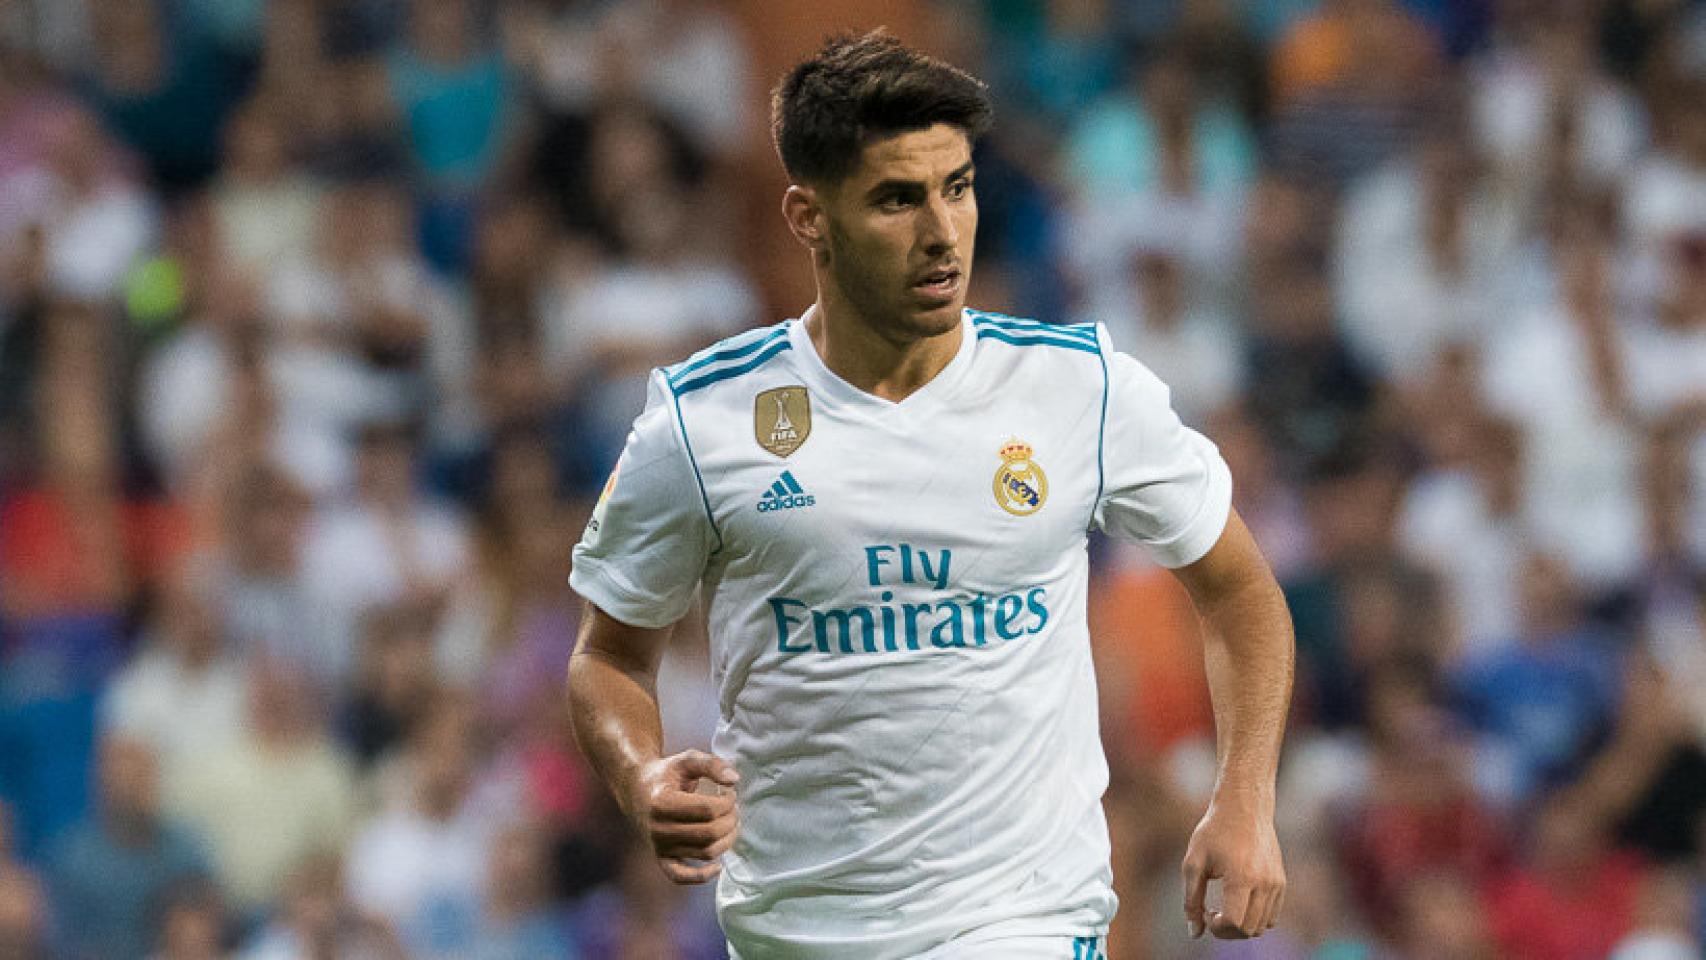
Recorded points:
900,232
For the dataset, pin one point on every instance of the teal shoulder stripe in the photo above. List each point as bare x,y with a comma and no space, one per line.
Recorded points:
1082,331
1043,329
1101,439
690,384
704,497
718,352
1024,340
1051,329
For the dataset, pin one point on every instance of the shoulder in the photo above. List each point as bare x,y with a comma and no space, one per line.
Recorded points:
727,359
1036,335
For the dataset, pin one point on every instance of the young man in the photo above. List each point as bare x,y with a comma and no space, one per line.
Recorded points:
886,503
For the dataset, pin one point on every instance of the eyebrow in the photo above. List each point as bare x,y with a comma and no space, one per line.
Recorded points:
892,184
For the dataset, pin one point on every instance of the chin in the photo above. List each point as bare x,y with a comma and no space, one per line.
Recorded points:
937,321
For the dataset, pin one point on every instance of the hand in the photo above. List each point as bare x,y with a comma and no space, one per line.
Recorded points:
688,830
1239,848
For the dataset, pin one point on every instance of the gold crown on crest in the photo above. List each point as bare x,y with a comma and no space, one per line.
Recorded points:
1015,450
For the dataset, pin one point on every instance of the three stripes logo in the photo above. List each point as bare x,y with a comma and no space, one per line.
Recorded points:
785,494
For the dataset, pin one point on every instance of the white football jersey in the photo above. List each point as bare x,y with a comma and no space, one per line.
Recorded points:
896,601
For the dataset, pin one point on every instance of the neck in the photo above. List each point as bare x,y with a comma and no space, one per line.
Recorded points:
886,366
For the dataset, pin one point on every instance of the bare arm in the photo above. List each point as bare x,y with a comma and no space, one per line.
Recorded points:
1250,653
613,702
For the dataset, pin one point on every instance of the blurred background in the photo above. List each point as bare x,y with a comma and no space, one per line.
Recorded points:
322,320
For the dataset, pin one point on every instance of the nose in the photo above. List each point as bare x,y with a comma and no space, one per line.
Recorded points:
936,227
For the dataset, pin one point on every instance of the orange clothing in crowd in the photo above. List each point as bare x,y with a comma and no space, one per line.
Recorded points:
54,556
1149,660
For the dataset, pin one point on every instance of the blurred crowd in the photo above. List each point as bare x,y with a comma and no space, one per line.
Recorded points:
322,320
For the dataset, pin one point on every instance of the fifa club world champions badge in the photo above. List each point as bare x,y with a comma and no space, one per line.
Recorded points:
782,419
1020,486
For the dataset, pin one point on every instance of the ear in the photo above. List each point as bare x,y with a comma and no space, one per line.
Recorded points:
802,207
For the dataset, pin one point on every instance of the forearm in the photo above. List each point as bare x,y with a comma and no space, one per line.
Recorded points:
614,707
1249,653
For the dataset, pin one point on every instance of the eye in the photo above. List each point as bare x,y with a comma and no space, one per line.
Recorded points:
893,203
958,189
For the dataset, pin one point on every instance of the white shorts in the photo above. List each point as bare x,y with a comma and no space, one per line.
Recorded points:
1013,948
1022,948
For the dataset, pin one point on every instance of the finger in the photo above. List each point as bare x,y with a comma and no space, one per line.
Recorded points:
694,764
1227,923
710,851
1196,891
675,806
685,872
1274,908
669,838
1256,916
722,846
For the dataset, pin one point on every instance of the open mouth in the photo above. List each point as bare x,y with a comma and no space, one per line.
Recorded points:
939,284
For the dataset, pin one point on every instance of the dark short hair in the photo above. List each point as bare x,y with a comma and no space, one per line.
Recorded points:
857,89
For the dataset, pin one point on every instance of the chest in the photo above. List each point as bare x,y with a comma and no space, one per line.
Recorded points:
971,497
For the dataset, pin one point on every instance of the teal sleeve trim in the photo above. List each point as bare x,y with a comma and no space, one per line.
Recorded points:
704,498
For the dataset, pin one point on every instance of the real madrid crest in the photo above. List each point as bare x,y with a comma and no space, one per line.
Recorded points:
1020,486
782,419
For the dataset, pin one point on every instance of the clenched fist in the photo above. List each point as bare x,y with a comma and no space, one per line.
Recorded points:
1237,847
688,829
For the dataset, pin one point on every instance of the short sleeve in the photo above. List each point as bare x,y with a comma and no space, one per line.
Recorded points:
1164,485
650,536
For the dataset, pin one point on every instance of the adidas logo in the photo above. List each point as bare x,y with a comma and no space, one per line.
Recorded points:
785,494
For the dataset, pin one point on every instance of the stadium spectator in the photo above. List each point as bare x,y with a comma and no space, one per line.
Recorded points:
1157,136
111,874
23,915
1443,915
94,219
1666,194
1353,86
644,915
395,682
192,925
454,93
511,622
163,90
1580,455
1663,928
266,208
186,692
388,544
277,792
519,919
1056,58
421,864
1544,702
1462,520
1421,256
257,571
1541,103
1315,391
1421,815
1155,308
316,920
1573,895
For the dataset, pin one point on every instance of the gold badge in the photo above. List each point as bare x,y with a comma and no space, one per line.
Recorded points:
782,419
1020,486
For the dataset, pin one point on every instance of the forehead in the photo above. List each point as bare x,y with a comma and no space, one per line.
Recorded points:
920,155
